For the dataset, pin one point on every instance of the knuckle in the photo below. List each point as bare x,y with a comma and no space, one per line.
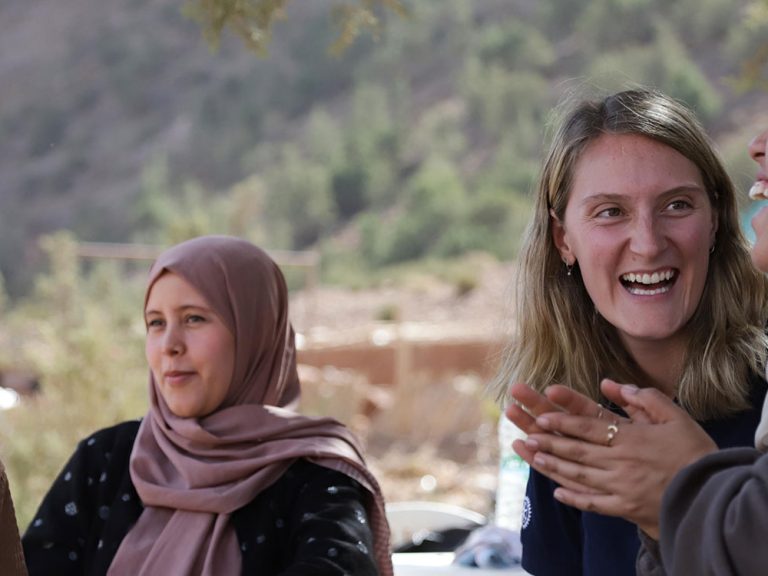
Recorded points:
577,453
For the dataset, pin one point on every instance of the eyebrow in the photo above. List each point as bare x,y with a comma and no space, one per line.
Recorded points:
608,197
182,308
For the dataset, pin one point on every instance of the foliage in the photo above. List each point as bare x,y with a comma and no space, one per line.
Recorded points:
749,44
253,20
81,333
296,148
665,64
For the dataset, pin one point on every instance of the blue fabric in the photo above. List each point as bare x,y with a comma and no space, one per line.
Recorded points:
559,540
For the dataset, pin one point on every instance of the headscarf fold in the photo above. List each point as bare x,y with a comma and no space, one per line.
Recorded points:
193,473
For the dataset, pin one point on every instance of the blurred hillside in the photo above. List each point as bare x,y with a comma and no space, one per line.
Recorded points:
119,123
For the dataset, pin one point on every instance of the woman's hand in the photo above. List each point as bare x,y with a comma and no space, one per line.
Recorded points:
613,465
530,404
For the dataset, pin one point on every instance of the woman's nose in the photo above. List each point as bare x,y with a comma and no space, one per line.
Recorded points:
757,147
173,341
647,238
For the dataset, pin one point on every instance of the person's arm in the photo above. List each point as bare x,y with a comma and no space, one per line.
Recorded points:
77,528
55,541
648,561
11,556
329,529
714,516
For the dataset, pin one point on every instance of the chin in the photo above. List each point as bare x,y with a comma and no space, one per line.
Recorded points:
652,333
182,411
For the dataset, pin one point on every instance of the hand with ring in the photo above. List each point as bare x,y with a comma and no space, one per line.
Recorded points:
603,462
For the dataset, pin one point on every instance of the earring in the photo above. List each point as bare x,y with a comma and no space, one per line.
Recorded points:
568,268
712,249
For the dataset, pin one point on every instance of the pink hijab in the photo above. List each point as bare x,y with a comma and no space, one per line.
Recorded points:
193,473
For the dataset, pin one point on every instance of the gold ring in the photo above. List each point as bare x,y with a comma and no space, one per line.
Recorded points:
613,429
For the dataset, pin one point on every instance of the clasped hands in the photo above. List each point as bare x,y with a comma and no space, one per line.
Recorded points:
604,462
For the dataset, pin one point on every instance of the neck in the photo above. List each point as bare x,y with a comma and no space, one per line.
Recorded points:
660,363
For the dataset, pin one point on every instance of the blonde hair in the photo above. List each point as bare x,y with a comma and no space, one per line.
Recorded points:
559,336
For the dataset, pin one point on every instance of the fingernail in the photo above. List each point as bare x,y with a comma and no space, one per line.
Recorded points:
630,388
539,460
542,421
531,443
558,494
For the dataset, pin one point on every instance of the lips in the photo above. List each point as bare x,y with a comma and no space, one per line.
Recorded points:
177,376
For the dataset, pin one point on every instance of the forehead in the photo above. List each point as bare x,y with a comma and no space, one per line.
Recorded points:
170,289
633,166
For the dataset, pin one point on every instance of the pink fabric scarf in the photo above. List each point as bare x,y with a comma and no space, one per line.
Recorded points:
193,473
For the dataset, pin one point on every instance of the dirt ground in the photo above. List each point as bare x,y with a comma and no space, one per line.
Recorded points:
433,436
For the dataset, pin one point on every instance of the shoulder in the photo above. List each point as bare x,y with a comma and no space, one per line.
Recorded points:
306,475
113,444
122,433
739,429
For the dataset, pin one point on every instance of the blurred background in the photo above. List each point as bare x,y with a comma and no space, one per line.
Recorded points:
384,152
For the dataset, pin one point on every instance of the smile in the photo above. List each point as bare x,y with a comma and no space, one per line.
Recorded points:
649,284
759,190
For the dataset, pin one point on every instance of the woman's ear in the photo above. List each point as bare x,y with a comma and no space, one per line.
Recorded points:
560,238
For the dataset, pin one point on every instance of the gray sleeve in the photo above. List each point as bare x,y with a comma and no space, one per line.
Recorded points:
649,557
714,516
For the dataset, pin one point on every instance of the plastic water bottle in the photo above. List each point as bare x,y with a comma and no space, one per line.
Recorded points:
513,478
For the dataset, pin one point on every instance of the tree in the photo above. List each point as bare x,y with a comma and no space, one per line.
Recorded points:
252,20
753,71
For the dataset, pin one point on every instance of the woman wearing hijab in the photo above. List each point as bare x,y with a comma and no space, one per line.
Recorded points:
220,477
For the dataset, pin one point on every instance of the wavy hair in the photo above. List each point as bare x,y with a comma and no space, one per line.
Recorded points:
559,336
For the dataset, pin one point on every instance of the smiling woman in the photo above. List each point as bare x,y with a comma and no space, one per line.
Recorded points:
189,349
701,511
221,476
636,220
635,269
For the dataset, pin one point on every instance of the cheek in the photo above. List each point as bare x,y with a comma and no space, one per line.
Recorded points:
596,253
222,357
150,353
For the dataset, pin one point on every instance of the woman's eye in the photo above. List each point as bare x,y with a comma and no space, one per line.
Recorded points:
679,205
195,318
611,212
154,323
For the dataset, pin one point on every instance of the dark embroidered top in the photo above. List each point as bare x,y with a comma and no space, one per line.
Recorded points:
311,521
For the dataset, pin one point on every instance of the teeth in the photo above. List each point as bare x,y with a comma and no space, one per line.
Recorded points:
654,278
759,190
645,292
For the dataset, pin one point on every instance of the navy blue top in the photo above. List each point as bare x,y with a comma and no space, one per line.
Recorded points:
559,540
